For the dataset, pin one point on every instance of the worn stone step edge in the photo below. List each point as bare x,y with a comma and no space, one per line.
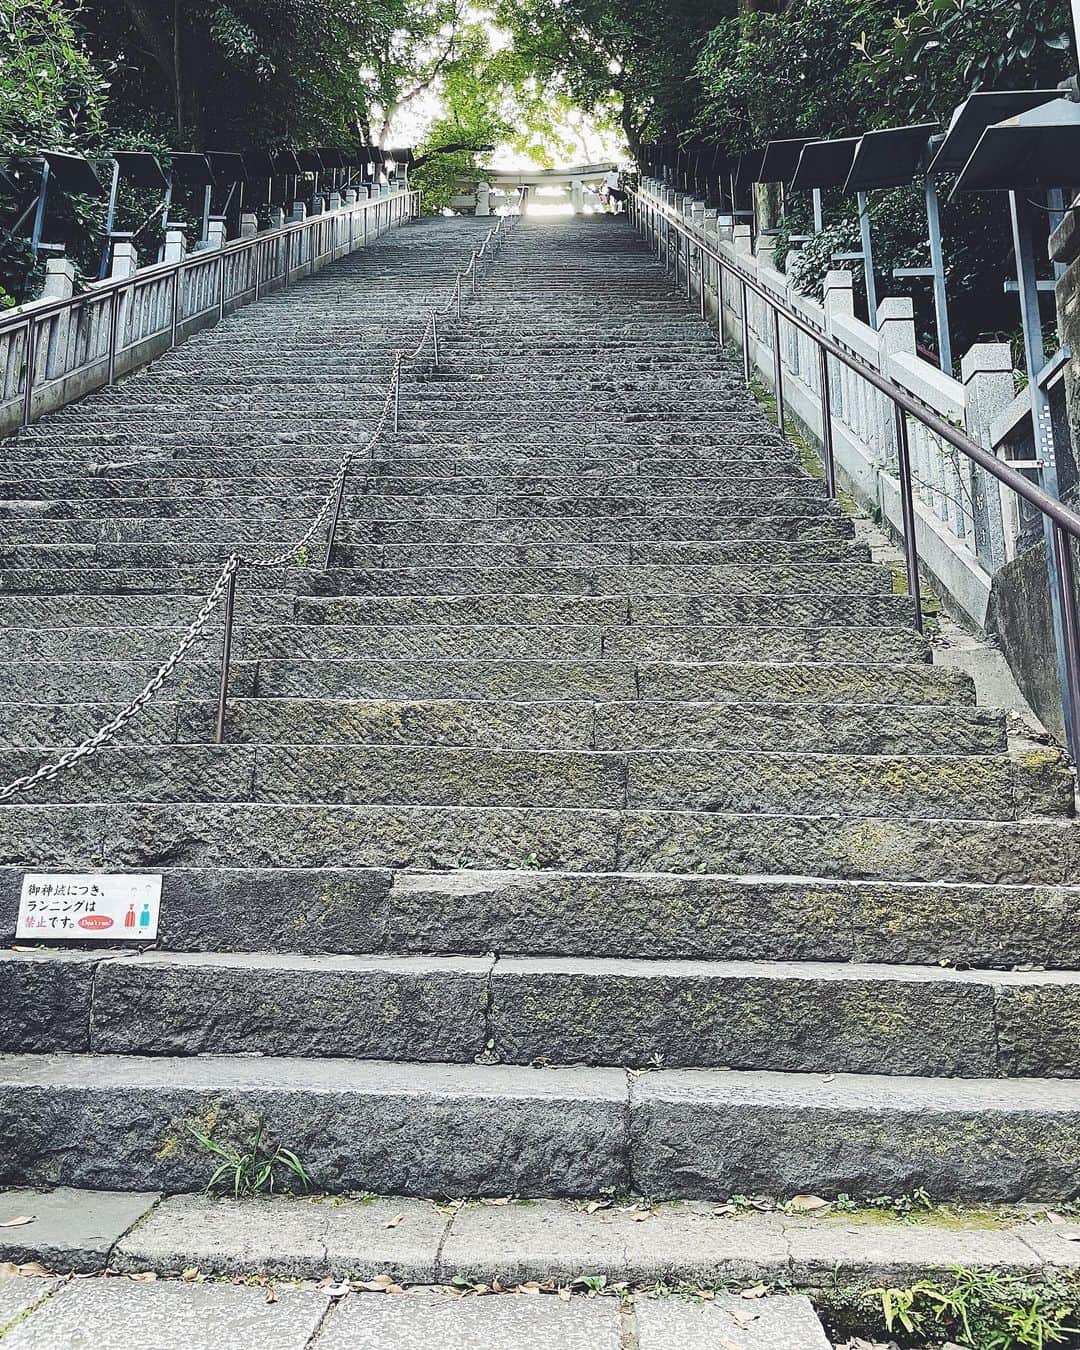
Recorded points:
691,916
804,1017
121,1123
631,1240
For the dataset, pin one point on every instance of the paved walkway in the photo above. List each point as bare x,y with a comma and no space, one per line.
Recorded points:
121,1313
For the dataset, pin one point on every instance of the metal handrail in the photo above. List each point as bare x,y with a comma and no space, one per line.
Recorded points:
1061,522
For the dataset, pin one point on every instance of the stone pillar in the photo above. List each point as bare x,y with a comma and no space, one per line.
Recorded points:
896,334
59,285
215,234
175,246
837,291
59,279
277,217
125,260
249,225
483,199
766,250
335,201
742,238
986,371
298,213
577,197
350,196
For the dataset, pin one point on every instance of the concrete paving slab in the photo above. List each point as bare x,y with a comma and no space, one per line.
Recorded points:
117,1314
729,1323
289,1236
533,1240
442,1322
688,1241
19,1293
71,1229
1054,1244
891,1253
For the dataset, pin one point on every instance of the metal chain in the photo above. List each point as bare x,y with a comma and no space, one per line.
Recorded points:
93,743
106,733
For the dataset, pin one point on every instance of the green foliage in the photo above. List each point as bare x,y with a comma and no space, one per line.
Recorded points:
929,59
253,1170
633,58
766,75
986,1311
51,94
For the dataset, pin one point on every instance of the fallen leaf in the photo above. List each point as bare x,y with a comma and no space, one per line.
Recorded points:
743,1320
725,1209
17,1222
641,1215
807,1204
704,1293
1052,1217
271,1294
192,1273
393,1289
143,1276
499,1200
564,1294
755,1291
376,1284
594,1205
36,1268
393,1223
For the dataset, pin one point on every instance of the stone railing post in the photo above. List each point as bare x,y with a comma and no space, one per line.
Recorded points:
125,263
483,199
838,297
249,225
175,246
53,356
896,334
987,376
277,218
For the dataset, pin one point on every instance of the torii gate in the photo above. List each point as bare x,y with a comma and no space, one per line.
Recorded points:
475,194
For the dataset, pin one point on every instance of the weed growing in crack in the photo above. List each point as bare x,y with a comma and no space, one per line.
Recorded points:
250,1171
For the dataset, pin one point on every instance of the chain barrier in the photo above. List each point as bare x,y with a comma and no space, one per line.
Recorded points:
225,585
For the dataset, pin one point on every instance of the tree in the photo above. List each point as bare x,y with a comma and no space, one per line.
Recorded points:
51,93
637,54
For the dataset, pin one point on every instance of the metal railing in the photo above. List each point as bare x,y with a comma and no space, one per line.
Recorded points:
677,241
55,351
225,586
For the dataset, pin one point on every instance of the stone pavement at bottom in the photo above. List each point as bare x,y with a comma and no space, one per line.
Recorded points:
117,1313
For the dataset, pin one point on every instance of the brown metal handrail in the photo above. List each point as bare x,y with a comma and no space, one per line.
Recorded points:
1064,522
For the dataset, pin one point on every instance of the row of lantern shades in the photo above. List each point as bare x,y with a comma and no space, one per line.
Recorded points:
77,175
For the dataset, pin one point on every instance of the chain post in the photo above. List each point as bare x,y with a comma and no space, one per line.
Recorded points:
226,656
331,537
397,393
435,340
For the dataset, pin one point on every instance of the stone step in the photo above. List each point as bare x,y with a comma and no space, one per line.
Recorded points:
808,553
859,610
550,529
499,1130
718,682
841,729
150,611
335,911
796,1017
479,642
993,787
284,507
1042,851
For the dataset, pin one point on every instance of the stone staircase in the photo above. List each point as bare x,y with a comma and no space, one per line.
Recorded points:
597,820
